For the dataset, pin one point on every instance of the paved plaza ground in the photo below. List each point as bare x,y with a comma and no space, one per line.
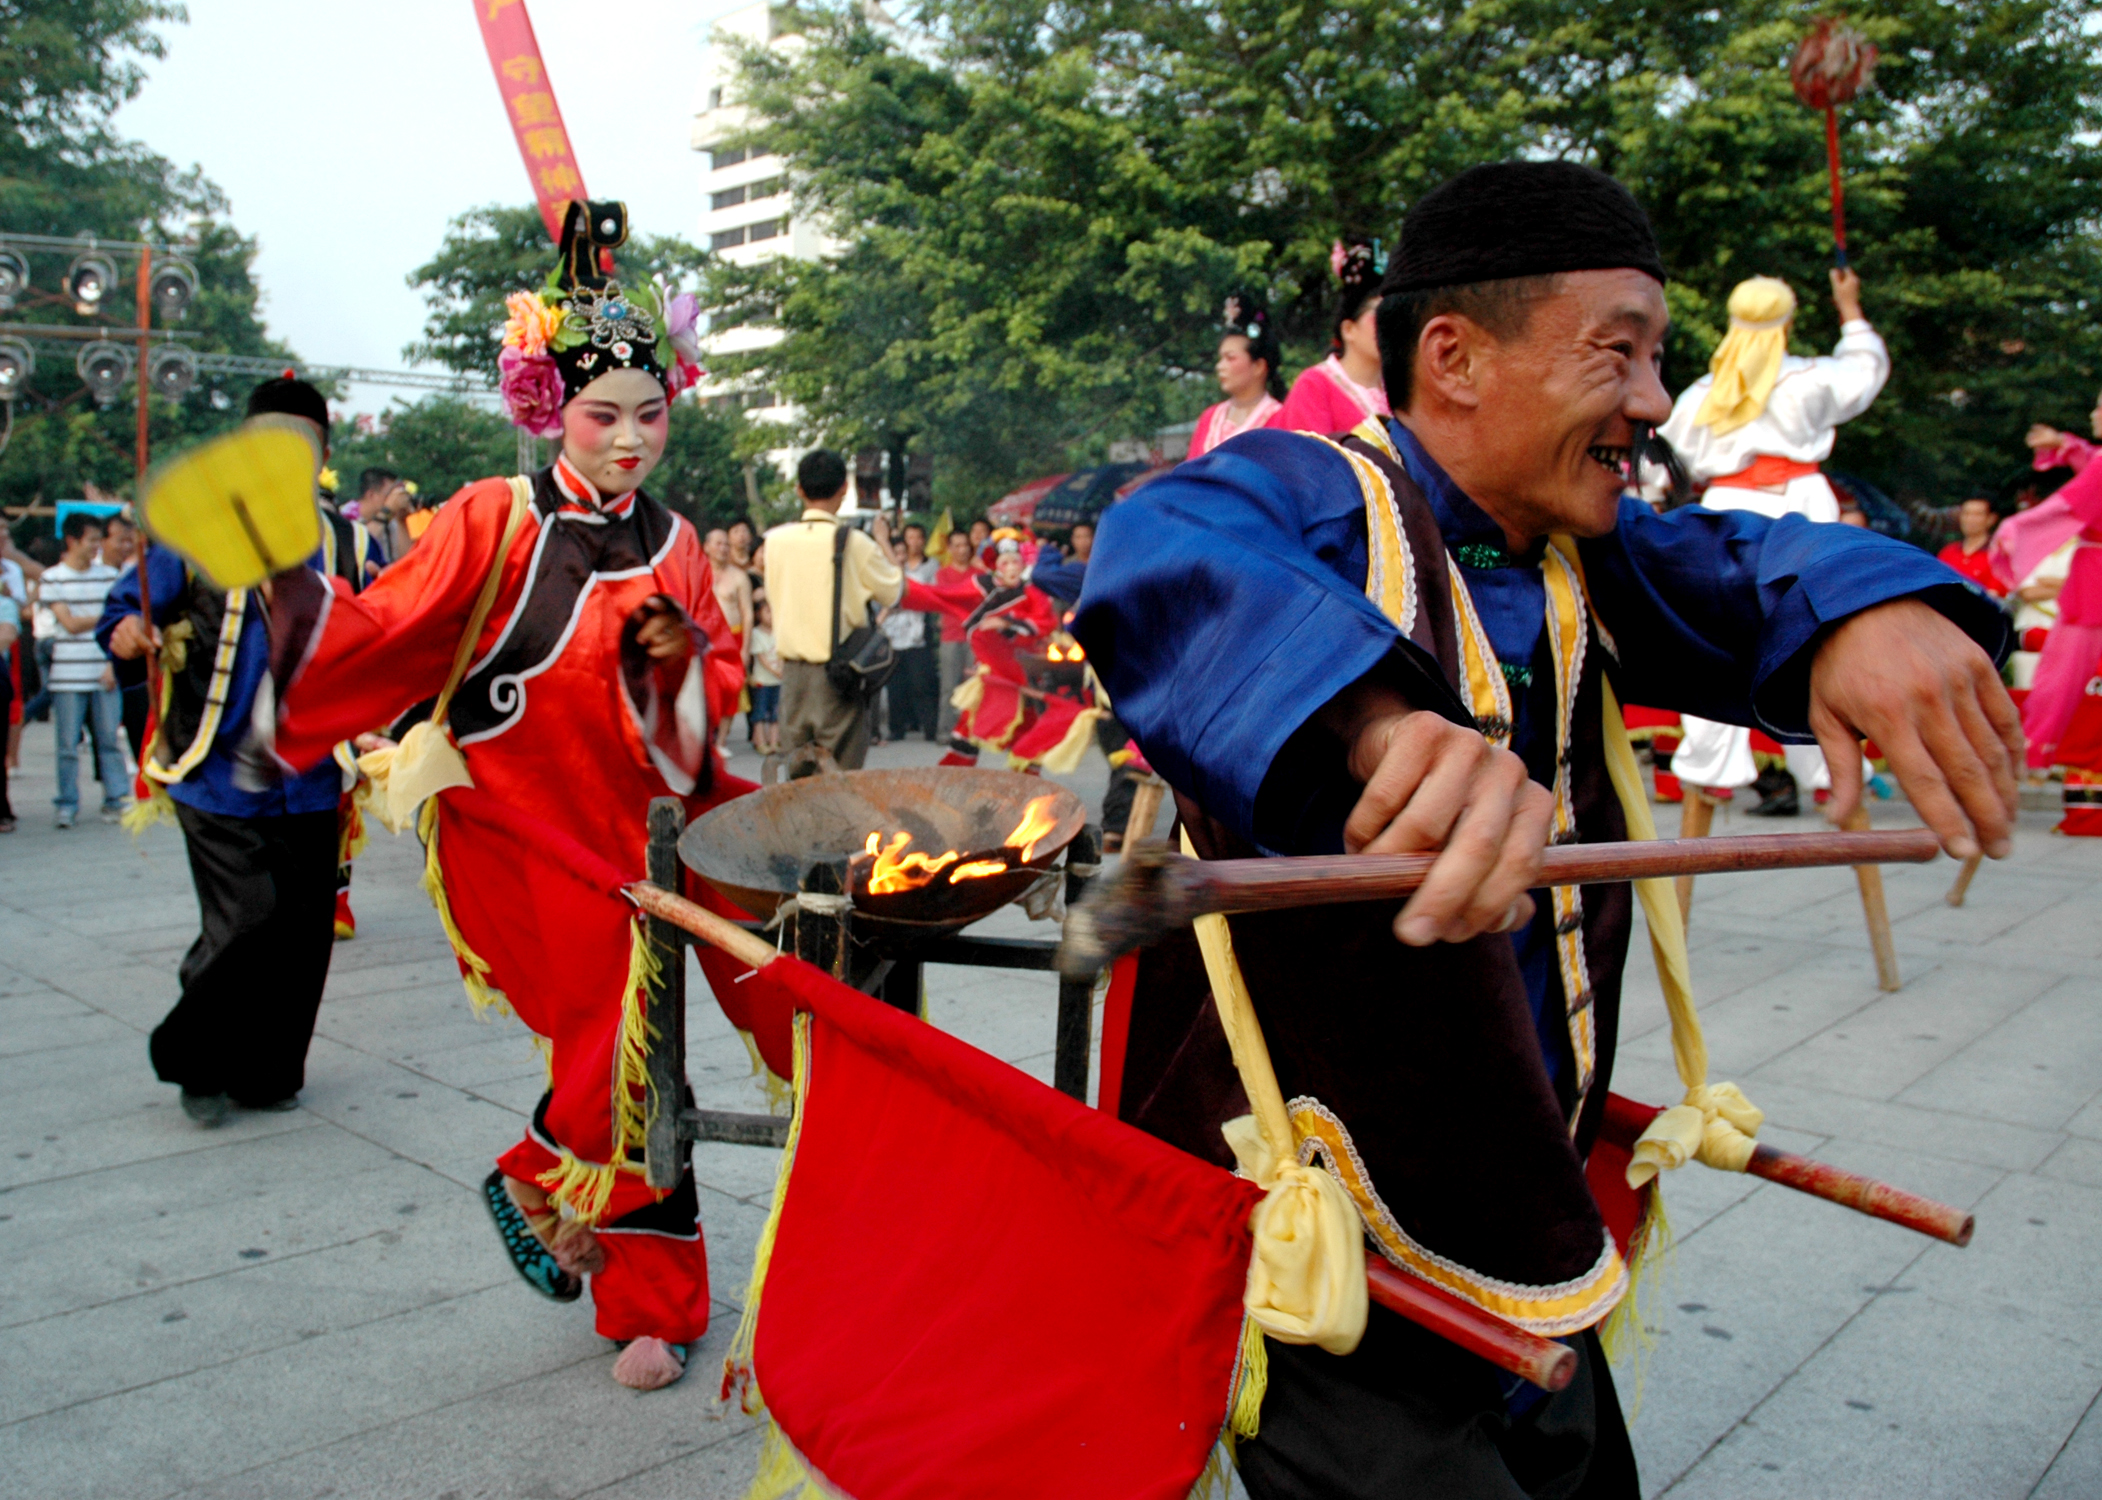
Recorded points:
313,1304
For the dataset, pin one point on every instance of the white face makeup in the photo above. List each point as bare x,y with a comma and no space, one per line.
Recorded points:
613,432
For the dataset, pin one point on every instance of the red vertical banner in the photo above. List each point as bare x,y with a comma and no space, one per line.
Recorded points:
529,101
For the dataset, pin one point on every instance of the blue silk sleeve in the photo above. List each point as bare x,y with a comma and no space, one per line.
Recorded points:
170,585
1224,605
1718,613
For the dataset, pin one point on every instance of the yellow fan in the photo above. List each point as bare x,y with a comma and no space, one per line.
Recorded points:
241,507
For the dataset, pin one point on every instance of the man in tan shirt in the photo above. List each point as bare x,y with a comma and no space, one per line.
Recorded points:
799,586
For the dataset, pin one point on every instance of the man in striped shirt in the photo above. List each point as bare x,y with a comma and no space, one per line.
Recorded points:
83,688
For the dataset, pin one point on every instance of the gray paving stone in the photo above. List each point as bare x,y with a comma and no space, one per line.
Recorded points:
378,1353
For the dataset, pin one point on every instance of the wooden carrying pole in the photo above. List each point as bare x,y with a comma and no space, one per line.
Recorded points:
1153,892
1876,912
1542,1361
1625,1121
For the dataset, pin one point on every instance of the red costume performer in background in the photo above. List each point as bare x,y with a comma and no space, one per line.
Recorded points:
999,708
569,723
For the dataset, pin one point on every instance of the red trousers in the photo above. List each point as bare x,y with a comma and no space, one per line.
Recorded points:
655,1282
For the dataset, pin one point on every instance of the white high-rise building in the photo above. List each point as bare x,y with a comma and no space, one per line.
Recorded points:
749,214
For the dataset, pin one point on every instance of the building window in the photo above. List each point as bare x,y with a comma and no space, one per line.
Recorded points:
728,198
727,239
717,160
715,98
765,229
743,400
767,188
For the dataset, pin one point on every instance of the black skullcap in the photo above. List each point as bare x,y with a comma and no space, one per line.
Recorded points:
289,394
1521,218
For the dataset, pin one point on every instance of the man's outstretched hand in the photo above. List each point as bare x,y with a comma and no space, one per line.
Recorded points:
1431,784
1905,677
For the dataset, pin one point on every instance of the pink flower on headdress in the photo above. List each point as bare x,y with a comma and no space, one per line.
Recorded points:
682,316
532,391
1337,255
532,323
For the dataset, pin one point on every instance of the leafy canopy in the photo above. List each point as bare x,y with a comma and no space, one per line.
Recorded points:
1043,205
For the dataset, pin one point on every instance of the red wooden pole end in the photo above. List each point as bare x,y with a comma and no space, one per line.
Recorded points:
1547,1364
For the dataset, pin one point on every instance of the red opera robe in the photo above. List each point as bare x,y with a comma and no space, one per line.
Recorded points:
569,731
996,714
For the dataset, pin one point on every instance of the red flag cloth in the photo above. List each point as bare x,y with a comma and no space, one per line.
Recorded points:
978,1286
529,104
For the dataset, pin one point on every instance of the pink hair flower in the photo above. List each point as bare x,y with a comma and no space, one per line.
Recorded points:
532,391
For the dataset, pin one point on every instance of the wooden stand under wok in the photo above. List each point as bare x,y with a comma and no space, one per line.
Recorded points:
886,966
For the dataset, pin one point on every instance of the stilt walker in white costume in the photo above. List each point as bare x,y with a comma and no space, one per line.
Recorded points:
1754,430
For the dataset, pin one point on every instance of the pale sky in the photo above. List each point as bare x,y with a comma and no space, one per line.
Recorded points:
346,135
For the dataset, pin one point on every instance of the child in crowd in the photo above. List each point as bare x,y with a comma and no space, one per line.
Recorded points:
765,715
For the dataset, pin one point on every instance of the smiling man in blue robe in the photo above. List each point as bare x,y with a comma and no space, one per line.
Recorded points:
1411,637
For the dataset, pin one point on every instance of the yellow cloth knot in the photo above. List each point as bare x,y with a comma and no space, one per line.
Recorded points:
424,763
1306,1280
1717,1124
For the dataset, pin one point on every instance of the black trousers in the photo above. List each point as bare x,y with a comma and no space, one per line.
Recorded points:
1408,1416
915,693
251,983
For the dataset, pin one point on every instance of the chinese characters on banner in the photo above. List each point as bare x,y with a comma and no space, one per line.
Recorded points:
529,101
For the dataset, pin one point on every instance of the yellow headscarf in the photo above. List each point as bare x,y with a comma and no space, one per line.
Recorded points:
1748,360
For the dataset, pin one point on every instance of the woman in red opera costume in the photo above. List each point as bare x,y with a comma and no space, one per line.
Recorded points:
1248,374
1005,617
582,687
1344,389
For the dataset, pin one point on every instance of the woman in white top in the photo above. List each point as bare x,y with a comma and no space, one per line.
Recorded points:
1754,430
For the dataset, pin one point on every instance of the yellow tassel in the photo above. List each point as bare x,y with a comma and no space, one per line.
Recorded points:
582,1187
1251,1382
158,808
780,1094
737,1364
352,834
632,1053
1629,1334
474,973
1064,758
782,1474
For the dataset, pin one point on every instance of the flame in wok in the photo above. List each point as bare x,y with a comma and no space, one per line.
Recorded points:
896,867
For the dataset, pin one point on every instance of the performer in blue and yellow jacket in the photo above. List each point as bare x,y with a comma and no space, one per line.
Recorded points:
1414,636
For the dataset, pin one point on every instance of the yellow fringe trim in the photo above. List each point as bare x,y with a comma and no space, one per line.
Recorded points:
354,833
632,1053
738,1373
1629,1334
1251,1383
782,1473
158,808
584,1188
474,974
1064,758
780,1093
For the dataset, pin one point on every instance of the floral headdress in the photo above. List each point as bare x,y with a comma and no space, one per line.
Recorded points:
581,323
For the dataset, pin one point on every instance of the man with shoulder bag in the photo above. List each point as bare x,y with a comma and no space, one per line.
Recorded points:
825,582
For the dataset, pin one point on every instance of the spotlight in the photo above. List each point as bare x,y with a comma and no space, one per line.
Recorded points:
17,364
90,282
104,367
14,277
173,288
172,372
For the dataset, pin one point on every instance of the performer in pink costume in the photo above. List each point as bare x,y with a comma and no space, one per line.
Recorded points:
1248,374
1345,388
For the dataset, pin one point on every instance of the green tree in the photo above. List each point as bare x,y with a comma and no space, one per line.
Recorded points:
1043,204
440,443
